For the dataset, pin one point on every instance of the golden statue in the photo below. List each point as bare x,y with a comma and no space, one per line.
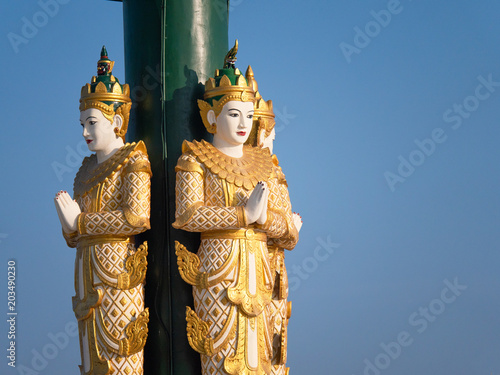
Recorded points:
230,192
263,135
111,204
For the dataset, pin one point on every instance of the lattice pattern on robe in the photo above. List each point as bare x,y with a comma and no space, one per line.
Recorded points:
125,203
118,204
206,202
289,240
192,213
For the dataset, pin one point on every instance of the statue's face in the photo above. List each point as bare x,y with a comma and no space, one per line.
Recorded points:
102,68
97,130
235,122
269,141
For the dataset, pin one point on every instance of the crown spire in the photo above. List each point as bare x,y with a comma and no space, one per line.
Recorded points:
230,58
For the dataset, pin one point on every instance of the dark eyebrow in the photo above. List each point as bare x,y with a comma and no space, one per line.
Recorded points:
90,117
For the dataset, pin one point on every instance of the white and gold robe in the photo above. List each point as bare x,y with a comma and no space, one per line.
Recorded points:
232,275
114,198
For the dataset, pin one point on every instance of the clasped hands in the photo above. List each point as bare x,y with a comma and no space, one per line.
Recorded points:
256,207
67,210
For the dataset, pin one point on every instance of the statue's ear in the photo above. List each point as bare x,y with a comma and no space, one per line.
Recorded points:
212,119
117,123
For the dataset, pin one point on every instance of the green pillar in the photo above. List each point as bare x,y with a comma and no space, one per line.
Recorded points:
171,48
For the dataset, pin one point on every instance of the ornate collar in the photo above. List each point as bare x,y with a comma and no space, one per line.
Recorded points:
92,174
255,165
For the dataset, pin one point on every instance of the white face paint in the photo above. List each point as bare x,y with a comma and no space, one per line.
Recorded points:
269,141
97,130
234,123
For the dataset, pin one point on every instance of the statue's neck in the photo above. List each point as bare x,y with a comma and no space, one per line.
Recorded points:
234,151
103,155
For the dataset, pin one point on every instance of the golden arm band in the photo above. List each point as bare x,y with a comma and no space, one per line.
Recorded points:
274,217
186,215
71,238
242,216
139,166
80,224
188,166
136,220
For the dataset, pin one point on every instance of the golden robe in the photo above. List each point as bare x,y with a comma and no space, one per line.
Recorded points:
114,198
281,308
232,326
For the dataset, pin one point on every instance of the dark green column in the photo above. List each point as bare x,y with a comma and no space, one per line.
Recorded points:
171,48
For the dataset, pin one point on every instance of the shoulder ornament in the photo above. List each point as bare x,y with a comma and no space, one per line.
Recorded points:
92,174
255,165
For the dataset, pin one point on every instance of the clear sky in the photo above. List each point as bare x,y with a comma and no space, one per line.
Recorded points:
388,124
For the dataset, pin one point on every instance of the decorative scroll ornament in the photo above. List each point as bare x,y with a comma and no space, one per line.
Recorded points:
136,266
137,333
198,333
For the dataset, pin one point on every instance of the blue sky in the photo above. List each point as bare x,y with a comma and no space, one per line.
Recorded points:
387,129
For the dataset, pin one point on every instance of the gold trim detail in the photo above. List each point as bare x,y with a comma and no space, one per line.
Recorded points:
80,224
188,166
235,234
189,265
283,343
184,218
239,294
237,364
137,334
98,365
105,238
136,266
92,298
139,166
198,333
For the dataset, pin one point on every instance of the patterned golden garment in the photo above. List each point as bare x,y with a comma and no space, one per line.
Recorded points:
114,197
232,326
280,306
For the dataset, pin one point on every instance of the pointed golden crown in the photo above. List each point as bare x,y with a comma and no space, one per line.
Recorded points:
105,93
229,81
105,87
228,84
264,118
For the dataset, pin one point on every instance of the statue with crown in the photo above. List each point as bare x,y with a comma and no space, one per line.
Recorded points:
110,204
234,192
